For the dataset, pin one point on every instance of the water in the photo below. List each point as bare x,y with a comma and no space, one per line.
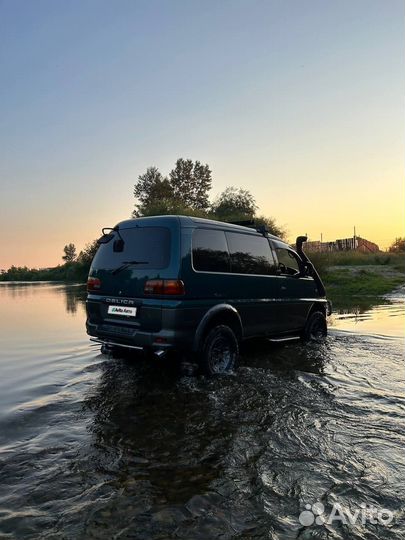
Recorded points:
95,447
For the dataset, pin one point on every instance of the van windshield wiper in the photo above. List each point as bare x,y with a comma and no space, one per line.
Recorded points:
125,264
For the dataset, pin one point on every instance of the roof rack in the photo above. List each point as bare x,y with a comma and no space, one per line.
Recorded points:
243,223
262,229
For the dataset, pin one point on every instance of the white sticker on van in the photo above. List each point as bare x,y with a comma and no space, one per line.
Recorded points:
122,310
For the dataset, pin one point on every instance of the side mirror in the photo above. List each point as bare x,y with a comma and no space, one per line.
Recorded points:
309,268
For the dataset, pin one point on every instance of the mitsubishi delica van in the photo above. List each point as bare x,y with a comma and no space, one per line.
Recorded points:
200,287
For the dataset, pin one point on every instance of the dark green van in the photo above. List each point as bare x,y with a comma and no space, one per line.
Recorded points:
199,287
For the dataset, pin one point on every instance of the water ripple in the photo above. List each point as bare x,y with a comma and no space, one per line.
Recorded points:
93,447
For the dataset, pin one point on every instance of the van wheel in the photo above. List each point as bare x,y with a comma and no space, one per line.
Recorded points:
220,351
316,327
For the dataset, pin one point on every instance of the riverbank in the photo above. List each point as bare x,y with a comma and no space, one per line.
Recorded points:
364,287
348,277
360,281
357,278
68,273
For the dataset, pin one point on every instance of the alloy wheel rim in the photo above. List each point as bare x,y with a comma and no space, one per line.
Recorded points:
317,330
221,355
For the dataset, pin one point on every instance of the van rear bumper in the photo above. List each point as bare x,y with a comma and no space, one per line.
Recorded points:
123,336
114,344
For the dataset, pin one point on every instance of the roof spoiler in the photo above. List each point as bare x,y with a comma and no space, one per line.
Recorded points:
108,234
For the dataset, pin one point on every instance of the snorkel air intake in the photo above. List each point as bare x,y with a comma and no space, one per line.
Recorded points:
310,267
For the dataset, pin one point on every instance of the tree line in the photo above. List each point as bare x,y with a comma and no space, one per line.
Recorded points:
185,191
74,268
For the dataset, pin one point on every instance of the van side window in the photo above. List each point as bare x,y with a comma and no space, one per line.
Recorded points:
210,251
288,263
250,254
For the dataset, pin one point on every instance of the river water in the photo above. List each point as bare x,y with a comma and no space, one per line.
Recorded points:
95,447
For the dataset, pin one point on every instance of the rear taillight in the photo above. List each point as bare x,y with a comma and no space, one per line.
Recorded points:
173,286
164,286
93,284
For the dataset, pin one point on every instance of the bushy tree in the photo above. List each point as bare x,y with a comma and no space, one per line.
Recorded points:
234,204
237,204
151,189
271,225
69,253
190,183
398,245
170,206
184,192
87,254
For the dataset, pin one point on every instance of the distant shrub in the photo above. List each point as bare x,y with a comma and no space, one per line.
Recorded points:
74,271
355,258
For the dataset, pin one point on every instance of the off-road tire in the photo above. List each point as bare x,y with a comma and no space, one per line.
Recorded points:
219,352
316,327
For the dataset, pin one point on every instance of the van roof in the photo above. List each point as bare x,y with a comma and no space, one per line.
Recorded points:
190,221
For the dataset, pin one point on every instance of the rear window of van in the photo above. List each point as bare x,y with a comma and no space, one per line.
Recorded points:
148,246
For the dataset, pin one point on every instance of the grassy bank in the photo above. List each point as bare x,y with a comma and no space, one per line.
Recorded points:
348,277
359,277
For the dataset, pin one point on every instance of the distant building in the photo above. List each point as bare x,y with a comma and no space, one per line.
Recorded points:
355,243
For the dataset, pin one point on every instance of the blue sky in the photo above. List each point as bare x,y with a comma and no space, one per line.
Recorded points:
302,102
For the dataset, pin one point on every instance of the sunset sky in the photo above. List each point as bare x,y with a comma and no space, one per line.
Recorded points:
299,101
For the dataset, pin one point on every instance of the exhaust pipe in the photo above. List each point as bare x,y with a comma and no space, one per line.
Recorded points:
160,353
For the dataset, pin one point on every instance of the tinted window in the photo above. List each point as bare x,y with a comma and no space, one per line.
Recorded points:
288,262
150,246
210,251
250,254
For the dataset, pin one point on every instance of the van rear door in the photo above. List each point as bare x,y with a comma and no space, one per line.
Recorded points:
119,271
129,258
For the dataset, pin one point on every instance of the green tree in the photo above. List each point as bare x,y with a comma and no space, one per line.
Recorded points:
190,183
151,189
234,204
398,245
169,206
186,192
69,253
87,254
237,204
271,225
